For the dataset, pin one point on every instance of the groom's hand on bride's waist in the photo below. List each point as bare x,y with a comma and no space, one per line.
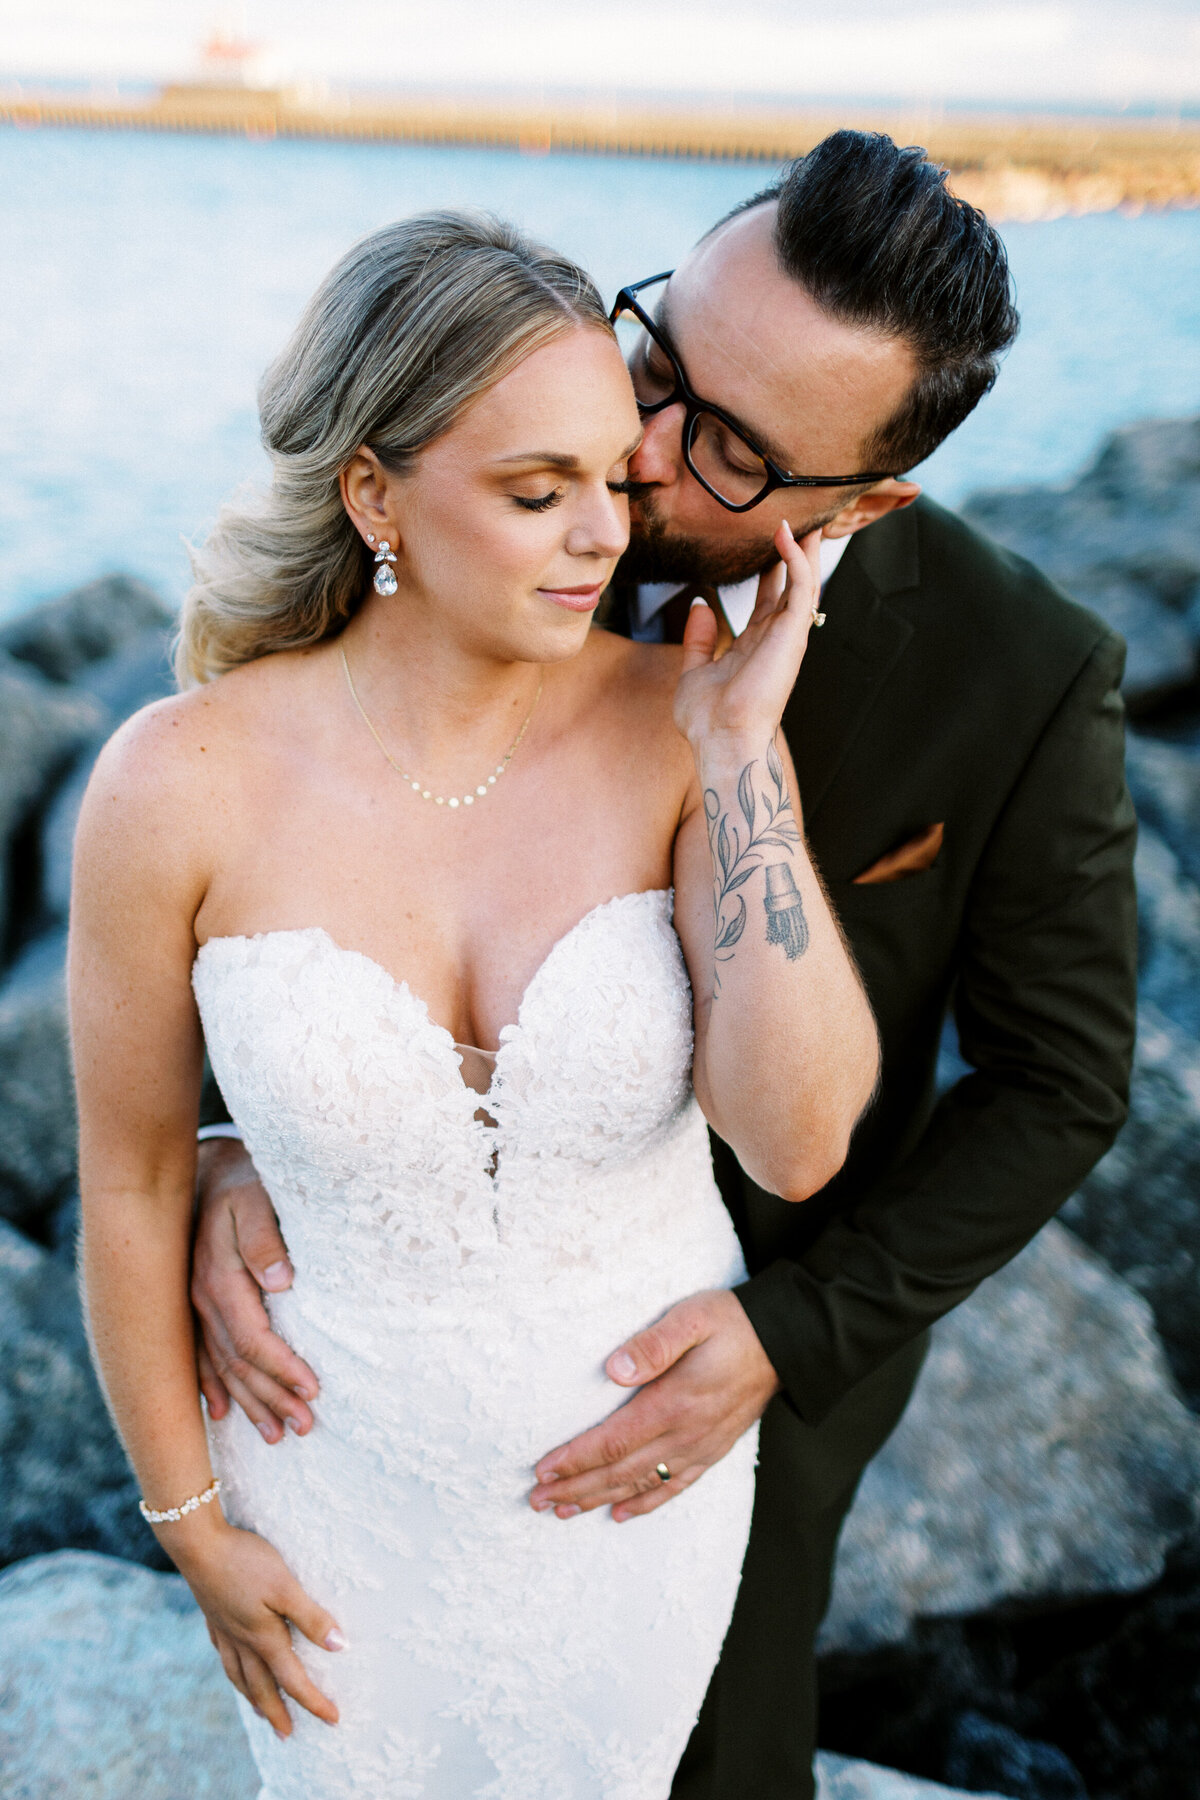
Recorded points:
703,1378
239,1255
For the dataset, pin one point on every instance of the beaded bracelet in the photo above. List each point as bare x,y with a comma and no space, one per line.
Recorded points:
178,1512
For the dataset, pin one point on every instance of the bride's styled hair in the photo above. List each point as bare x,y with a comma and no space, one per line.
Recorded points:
413,324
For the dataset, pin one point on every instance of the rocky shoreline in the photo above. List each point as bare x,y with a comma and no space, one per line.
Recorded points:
1017,1603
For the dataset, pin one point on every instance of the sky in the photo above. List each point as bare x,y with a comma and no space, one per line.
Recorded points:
1039,53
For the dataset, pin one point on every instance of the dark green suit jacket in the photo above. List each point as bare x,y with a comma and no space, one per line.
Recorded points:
952,683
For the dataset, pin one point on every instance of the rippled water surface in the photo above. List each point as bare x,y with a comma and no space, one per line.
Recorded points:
145,281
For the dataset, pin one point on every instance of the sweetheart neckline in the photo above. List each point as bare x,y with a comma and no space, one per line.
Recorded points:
400,985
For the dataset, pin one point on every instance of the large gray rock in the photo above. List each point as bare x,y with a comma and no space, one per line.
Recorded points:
840,1778
1168,934
1165,783
1140,1206
42,726
66,1481
1125,539
61,637
70,671
37,1095
122,683
110,1689
1045,1456
1162,654
1136,507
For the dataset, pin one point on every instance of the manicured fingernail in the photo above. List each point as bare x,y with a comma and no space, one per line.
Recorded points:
568,1512
292,1426
336,1640
276,1276
623,1366
619,1518
265,1431
304,1393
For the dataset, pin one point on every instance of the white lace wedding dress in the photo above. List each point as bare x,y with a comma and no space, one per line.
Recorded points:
458,1287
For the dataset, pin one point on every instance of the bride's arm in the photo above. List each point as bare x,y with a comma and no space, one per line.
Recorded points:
786,1052
136,1041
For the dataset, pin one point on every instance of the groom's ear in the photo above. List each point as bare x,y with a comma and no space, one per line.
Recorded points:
872,504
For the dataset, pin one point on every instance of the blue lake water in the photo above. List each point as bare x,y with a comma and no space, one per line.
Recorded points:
146,281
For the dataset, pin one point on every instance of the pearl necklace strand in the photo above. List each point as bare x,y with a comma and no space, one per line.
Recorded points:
418,787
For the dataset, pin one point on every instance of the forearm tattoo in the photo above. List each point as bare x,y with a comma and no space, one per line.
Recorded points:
738,851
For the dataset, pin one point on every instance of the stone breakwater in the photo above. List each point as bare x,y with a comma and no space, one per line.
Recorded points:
1016,1610
1014,166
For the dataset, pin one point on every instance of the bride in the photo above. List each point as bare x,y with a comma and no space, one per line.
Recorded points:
482,915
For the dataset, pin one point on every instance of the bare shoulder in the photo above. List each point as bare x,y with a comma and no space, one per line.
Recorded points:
164,785
155,754
190,738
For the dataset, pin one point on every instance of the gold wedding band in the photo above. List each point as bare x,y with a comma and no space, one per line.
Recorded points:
662,1471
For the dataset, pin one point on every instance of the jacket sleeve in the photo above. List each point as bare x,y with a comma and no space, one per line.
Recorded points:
1046,1007
213,1110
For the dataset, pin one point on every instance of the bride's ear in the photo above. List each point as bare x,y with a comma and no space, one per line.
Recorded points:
364,487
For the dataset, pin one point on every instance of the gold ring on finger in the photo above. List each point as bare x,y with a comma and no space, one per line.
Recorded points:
662,1471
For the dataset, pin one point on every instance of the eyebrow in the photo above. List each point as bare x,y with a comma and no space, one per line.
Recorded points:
554,459
558,459
757,438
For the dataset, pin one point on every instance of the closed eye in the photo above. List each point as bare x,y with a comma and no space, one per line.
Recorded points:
539,502
543,502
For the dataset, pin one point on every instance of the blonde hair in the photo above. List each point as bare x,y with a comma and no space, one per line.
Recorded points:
414,323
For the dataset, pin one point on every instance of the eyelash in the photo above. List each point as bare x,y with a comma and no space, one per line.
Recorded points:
543,502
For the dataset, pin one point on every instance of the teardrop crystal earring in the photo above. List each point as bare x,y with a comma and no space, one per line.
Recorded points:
385,580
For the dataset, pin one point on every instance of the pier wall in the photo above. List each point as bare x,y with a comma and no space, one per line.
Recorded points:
1015,167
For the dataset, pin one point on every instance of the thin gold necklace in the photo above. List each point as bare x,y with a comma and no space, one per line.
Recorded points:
418,787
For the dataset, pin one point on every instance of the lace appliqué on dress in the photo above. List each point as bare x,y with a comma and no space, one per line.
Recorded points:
458,1287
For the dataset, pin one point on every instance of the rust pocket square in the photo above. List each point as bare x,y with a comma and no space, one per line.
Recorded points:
920,852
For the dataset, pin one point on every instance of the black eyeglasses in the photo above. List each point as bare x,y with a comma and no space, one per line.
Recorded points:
727,464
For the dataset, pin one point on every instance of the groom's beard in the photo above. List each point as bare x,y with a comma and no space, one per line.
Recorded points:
657,554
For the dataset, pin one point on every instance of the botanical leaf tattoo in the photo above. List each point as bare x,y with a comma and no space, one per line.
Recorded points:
767,822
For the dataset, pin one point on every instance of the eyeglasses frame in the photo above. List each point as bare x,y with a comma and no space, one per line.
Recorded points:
626,301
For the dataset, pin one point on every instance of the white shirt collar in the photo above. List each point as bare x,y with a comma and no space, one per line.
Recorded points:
738,599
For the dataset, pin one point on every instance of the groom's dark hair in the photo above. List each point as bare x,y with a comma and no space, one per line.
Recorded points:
873,234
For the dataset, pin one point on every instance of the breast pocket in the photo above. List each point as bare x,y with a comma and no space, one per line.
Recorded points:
903,933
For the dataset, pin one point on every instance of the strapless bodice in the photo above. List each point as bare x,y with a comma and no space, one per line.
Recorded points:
352,1103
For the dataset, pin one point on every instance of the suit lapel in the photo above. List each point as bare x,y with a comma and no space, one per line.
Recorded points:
853,655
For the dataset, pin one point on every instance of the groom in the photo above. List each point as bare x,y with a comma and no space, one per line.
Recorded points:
957,730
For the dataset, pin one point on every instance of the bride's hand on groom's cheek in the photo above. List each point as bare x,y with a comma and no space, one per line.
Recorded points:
703,1378
743,692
